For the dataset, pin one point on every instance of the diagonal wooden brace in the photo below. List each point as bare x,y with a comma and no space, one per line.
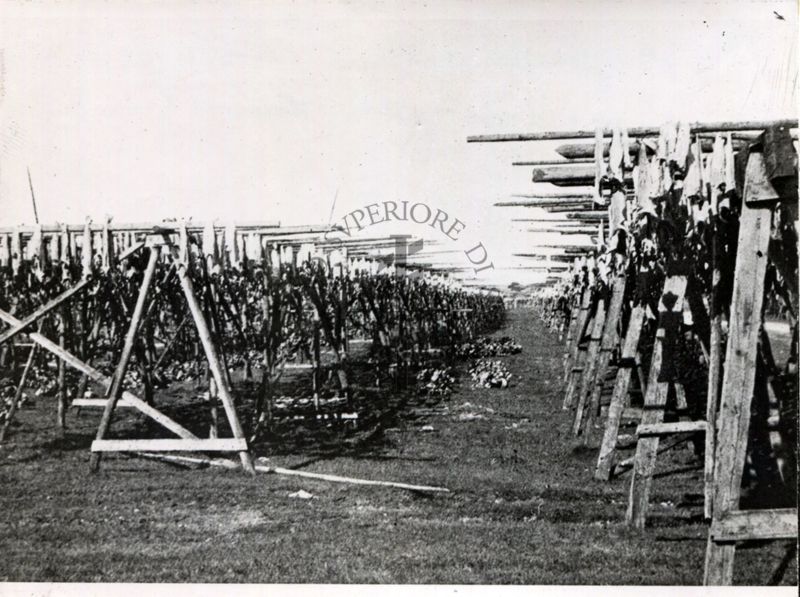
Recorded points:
98,377
23,324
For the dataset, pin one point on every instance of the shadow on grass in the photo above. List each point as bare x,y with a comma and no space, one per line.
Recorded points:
69,442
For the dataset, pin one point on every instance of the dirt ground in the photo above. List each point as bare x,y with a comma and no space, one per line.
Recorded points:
522,507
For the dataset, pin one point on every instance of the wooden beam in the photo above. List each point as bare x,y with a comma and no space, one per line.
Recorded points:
212,356
596,215
115,393
733,421
568,173
567,201
637,131
572,193
42,311
170,445
101,402
576,151
553,162
140,227
261,468
755,525
670,428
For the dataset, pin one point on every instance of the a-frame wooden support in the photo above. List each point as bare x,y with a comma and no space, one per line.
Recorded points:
597,368
157,242
571,335
729,524
655,400
117,396
590,361
577,354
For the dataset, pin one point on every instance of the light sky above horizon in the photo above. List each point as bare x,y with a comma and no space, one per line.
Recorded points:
267,111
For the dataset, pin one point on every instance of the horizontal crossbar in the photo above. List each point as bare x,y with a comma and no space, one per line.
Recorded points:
670,428
753,525
170,445
101,402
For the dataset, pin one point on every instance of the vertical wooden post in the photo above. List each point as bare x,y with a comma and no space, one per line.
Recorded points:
61,419
653,410
316,360
605,460
213,400
740,363
714,373
609,341
86,251
344,300
115,390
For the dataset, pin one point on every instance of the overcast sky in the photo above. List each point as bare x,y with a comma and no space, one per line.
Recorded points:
268,110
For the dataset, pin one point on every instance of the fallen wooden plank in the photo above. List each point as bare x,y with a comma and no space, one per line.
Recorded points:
755,525
295,473
170,445
670,428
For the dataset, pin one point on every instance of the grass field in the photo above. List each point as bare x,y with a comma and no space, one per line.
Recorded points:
523,506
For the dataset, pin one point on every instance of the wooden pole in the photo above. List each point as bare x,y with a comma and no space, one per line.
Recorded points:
570,194
740,362
33,198
295,473
577,151
61,418
639,131
553,162
12,409
714,374
565,202
42,311
214,362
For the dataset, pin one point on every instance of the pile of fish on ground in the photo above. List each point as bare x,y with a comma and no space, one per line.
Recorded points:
490,374
433,381
489,347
